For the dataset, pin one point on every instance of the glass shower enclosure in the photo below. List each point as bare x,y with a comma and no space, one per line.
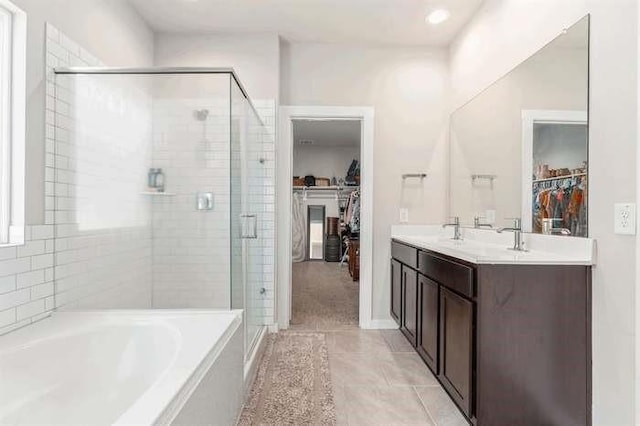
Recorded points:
158,192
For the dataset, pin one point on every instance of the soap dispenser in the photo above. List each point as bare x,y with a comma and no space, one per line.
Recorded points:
159,180
151,178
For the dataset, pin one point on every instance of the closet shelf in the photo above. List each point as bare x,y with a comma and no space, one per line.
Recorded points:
559,177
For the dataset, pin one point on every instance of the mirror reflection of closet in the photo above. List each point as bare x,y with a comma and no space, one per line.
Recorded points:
315,232
519,148
556,150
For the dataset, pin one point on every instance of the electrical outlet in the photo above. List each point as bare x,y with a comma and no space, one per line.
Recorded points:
490,216
625,219
404,215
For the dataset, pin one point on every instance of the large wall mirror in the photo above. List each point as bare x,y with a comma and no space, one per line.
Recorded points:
520,148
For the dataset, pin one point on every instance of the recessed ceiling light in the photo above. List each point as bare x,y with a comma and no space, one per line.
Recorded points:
438,16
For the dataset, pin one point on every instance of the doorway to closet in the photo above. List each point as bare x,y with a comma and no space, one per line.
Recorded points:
325,224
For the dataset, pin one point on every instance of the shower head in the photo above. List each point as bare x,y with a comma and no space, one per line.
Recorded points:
201,114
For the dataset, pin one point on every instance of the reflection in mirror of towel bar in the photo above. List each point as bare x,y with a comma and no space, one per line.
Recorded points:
414,175
486,177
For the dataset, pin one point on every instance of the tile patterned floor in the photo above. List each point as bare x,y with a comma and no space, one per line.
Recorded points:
377,377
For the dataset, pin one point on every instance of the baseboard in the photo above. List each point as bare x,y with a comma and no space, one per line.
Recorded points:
383,325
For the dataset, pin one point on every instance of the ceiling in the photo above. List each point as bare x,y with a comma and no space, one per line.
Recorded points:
327,133
370,22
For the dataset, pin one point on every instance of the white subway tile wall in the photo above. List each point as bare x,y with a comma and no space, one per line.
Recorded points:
191,254
26,279
100,150
260,190
115,247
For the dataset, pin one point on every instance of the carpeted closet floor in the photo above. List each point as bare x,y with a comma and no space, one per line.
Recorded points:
324,295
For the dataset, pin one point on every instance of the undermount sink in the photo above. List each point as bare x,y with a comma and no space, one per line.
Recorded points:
478,248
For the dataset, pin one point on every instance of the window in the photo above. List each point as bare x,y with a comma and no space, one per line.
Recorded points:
12,122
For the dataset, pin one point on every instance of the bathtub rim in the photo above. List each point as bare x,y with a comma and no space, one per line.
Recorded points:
172,409
162,405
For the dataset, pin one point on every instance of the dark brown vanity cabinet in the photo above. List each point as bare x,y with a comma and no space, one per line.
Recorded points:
456,347
509,343
409,323
428,313
404,292
396,291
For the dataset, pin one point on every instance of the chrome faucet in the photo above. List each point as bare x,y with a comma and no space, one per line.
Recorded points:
549,228
560,231
456,228
518,244
478,224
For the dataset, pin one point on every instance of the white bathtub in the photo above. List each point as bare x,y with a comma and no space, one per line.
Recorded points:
124,367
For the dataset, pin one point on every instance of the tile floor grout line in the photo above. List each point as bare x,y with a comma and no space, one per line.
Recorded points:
384,374
424,405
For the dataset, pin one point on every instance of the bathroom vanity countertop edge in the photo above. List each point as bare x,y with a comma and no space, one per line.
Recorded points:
481,253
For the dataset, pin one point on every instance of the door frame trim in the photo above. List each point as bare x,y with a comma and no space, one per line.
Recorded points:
284,170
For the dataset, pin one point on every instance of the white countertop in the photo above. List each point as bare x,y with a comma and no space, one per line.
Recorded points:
489,247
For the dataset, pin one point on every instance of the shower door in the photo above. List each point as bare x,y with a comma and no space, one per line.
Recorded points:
247,209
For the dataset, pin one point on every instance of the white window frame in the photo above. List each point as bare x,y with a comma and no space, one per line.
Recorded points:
13,125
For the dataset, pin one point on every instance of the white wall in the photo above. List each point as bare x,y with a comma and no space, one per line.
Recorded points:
560,146
502,35
637,295
408,89
255,58
324,161
110,29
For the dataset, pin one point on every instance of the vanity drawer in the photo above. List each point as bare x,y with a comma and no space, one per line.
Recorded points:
451,274
405,254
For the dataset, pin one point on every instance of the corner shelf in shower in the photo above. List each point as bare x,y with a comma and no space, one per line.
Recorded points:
158,194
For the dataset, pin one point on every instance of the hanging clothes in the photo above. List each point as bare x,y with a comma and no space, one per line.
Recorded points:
299,225
562,201
352,218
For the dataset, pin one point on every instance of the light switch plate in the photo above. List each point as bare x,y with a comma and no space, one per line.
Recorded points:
490,216
625,219
404,215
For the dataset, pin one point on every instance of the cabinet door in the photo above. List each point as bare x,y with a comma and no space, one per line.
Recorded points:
409,324
429,301
456,347
396,290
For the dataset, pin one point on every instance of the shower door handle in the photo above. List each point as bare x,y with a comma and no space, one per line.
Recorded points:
249,226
